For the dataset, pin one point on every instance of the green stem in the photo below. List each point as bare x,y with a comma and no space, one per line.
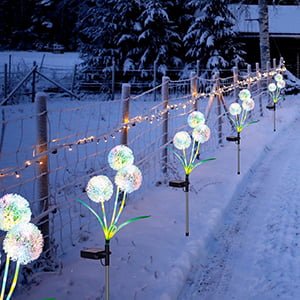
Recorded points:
14,283
192,153
196,153
5,277
184,156
121,208
115,207
104,214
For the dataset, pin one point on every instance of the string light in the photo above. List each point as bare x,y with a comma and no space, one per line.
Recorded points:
150,118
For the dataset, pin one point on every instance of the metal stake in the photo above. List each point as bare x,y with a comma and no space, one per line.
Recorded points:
238,154
107,253
274,116
187,230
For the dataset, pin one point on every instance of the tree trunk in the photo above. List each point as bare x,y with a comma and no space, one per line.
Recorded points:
264,41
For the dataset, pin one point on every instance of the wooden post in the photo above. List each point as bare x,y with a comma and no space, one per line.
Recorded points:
281,62
258,75
219,108
125,117
154,79
113,79
268,69
165,137
249,83
194,89
33,82
42,147
235,83
74,78
5,81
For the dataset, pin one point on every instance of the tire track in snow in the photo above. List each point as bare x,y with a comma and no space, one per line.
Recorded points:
256,254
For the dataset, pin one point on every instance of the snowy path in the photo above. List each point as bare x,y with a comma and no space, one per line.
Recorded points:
256,253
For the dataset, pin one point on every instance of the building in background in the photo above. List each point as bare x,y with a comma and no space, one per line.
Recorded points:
284,28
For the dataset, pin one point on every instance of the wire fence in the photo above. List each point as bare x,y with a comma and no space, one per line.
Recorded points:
79,135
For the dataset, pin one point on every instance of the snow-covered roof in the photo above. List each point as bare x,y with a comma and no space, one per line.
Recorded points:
283,20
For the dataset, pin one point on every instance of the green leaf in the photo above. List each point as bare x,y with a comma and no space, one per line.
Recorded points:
203,162
180,158
131,221
92,211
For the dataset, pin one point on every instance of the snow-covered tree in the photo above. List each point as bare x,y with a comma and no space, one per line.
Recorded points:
264,39
211,38
159,39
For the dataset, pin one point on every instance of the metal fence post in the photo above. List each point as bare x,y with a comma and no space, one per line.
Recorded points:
9,72
41,152
194,89
5,81
235,83
258,75
154,79
198,68
165,137
74,78
125,115
274,64
33,82
113,79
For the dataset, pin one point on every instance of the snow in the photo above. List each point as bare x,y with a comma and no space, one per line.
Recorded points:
279,19
50,59
238,224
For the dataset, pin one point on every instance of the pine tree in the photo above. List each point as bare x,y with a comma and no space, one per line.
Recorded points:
210,38
158,39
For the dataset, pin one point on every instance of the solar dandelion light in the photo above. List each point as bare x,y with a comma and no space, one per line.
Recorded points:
100,189
276,93
239,114
182,141
23,242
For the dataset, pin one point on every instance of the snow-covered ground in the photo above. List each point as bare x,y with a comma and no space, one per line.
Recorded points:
243,230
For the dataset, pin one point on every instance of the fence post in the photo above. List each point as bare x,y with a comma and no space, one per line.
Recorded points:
235,83
258,75
274,64
194,88
125,115
113,79
249,82
5,81
42,147
154,79
9,73
219,108
268,68
74,78
165,137
33,82
198,68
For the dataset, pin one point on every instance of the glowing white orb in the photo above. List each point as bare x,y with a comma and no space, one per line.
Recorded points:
201,134
120,157
272,87
195,119
235,109
129,179
248,104
23,243
281,84
99,188
278,77
244,94
182,140
14,209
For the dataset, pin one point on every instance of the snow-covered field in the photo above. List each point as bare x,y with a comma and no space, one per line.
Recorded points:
244,231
